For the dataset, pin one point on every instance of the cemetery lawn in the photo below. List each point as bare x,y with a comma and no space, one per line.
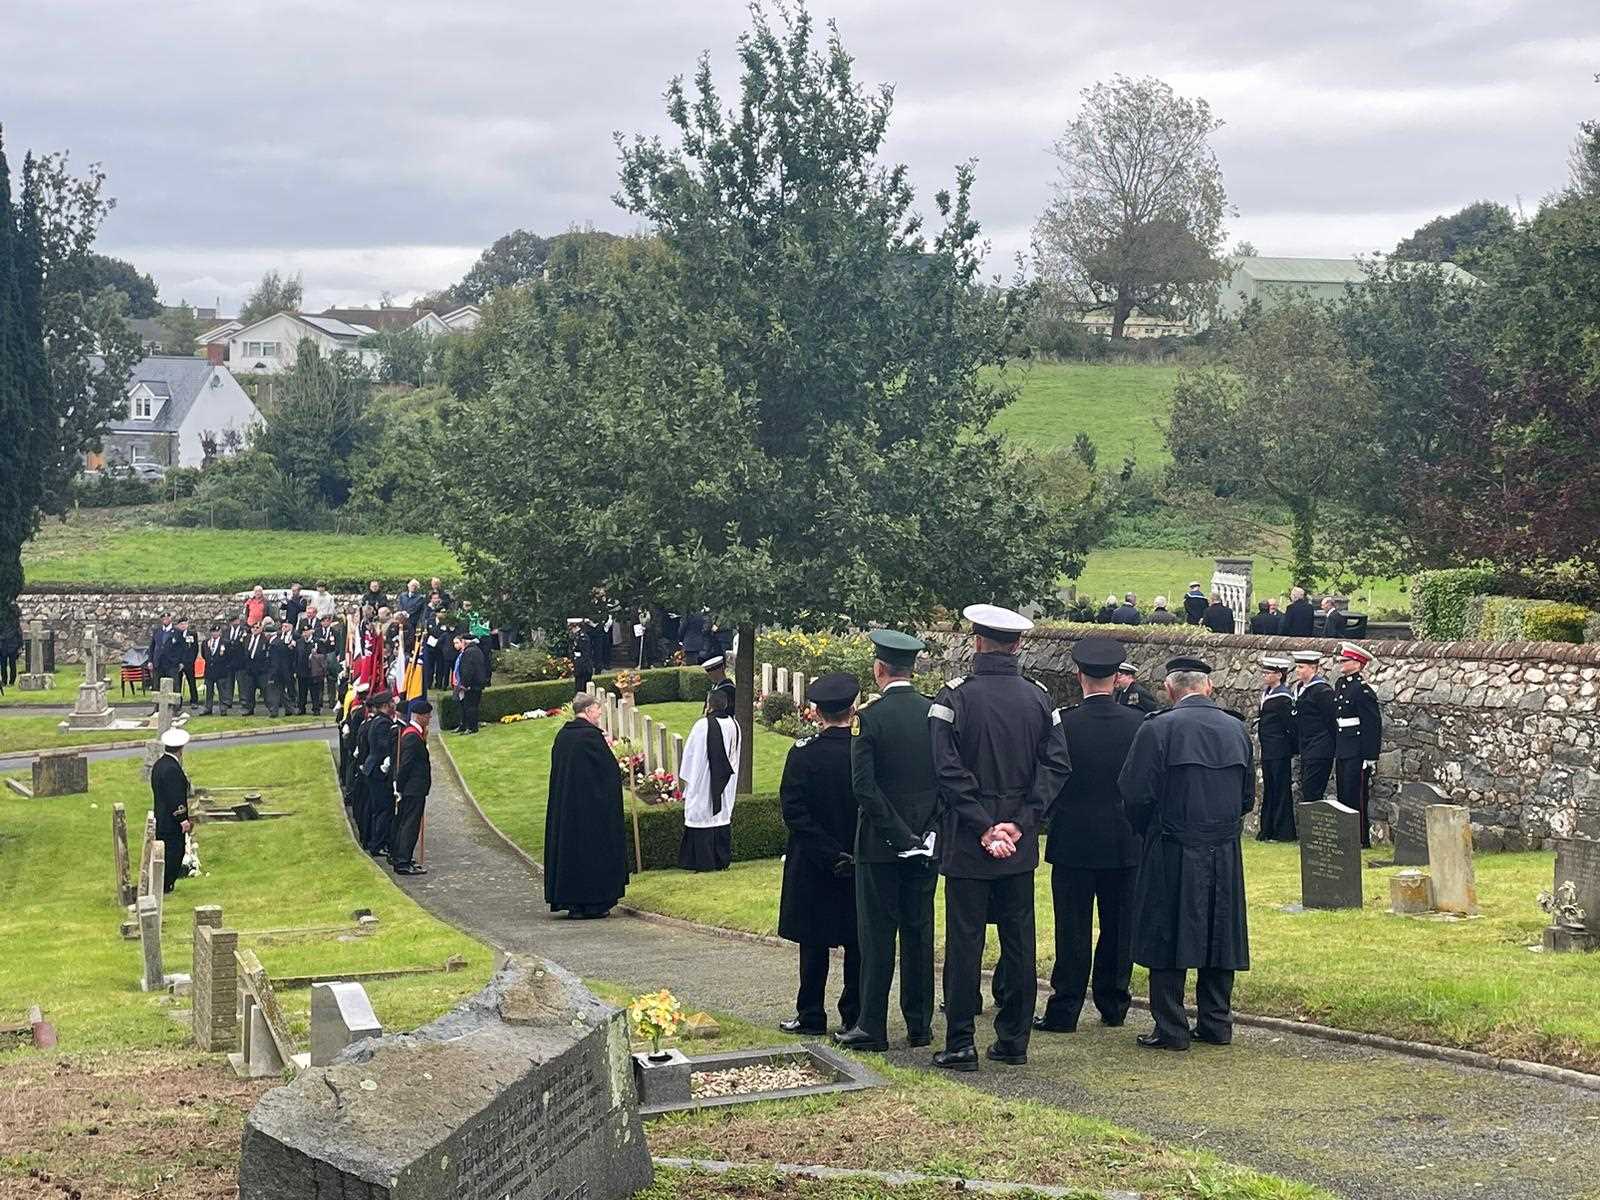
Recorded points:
126,548
1120,407
1473,984
930,1124
59,921
1152,573
508,767
19,734
67,679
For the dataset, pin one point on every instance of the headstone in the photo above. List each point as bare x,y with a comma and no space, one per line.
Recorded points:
155,977
1410,892
1330,854
340,1014
677,755
1578,863
119,849
215,1016
166,701
664,749
625,713
768,678
266,1047
797,684
649,748
36,679
1409,829
158,876
525,1090
783,680
61,773
145,851
92,710
1455,885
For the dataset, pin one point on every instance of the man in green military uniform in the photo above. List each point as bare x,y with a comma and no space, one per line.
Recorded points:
897,870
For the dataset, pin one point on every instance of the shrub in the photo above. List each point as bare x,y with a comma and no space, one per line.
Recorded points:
1591,628
758,831
113,490
529,665
656,686
1439,600
775,707
818,654
1551,621
1515,619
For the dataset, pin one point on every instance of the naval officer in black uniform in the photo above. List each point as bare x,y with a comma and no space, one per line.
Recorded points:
169,790
897,872
1316,725
1000,760
1360,733
818,906
1189,779
1093,855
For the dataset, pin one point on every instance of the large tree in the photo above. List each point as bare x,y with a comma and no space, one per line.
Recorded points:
317,421
1136,218
1283,416
179,329
102,271
776,407
513,258
274,294
1467,237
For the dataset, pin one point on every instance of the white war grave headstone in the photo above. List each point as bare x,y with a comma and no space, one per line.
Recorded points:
91,710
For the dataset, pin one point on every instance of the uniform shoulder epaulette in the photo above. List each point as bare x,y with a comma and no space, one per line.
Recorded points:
805,741
1037,684
956,682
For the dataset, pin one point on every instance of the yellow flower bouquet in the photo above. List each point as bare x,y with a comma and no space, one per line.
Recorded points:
655,1015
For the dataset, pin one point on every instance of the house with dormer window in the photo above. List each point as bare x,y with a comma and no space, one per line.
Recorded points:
174,401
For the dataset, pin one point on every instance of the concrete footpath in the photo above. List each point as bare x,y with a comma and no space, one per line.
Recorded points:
1357,1121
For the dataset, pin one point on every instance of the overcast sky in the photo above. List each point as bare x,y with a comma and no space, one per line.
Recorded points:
380,147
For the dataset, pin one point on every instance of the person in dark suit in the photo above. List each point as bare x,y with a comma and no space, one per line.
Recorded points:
1298,619
169,788
163,651
185,650
818,906
1160,614
234,637
578,651
471,677
377,769
891,768
282,670
217,653
1275,733
413,776
1129,692
1334,621
1194,604
1188,781
1316,726
1127,613
1093,855
255,662
294,606
1218,616
1267,620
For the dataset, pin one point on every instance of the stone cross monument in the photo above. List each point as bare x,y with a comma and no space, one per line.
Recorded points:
36,680
92,710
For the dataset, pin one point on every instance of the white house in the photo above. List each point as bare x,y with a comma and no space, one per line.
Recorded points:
1269,279
268,346
172,401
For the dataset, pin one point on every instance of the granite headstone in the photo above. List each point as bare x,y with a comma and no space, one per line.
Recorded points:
1330,854
1579,863
1409,829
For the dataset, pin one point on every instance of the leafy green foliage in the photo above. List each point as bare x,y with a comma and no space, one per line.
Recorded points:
179,328
274,294
1468,237
757,828
102,271
658,685
1514,619
318,418
1439,600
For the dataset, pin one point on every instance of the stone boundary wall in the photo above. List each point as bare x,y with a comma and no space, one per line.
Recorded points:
124,619
1510,729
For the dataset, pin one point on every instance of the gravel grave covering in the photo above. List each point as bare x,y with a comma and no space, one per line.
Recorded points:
763,1077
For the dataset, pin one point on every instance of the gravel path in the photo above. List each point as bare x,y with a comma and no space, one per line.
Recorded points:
1359,1122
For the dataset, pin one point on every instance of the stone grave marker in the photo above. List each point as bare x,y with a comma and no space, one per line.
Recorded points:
340,1014
531,1095
625,717
649,747
61,773
664,749
1410,892
797,683
677,755
1409,829
92,709
214,1019
126,894
1455,885
1330,855
155,976
1578,863
35,679
783,680
166,702
145,852
265,1047
768,678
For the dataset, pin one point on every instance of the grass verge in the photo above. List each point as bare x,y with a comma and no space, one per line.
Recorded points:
21,734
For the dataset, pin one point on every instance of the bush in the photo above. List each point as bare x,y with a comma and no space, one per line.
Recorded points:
818,654
757,827
657,686
1439,600
1514,619
1554,622
113,490
775,707
529,665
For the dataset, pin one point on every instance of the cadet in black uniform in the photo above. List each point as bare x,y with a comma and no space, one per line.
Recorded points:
716,669
897,872
1093,855
1360,737
413,776
1189,779
169,789
818,907
1315,725
1130,692
377,765
1275,732
1000,761
351,716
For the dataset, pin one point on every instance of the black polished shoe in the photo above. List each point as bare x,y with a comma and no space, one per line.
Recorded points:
1154,1041
924,1038
1113,1022
1046,1025
860,1040
957,1060
797,1026
1213,1041
1010,1058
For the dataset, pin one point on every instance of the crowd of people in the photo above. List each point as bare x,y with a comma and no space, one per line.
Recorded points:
1297,617
1138,804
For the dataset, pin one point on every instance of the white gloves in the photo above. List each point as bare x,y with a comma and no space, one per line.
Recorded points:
923,851
1370,764
384,766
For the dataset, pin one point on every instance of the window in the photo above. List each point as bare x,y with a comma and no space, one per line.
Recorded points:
143,406
269,349
261,349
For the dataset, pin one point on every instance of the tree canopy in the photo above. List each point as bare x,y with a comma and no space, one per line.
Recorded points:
1467,238
103,271
1136,218
274,294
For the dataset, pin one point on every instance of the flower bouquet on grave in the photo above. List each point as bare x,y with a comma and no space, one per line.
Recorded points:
627,683
655,1015
630,764
659,787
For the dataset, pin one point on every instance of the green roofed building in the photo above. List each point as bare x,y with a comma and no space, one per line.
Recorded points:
1268,279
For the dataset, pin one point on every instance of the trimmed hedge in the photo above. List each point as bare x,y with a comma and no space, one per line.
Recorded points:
1439,601
658,685
1515,619
1557,622
758,831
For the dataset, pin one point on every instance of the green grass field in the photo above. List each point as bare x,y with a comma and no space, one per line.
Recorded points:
58,918
65,691
1119,407
1153,573
18,734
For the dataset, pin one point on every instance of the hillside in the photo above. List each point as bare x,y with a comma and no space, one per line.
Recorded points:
1119,407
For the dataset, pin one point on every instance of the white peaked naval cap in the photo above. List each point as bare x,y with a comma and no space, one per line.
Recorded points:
1001,620
175,738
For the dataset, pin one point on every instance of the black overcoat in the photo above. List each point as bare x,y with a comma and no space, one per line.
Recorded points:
891,763
1189,779
818,907
585,844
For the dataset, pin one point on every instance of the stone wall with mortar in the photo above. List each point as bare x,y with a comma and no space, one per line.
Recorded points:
1510,729
124,619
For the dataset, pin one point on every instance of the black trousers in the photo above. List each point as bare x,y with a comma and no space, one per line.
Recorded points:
471,698
1082,963
219,690
1277,801
896,899
1314,775
581,677
407,825
1213,997
310,693
8,668
969,906
811,1001
272,691
1354,786
175,848
360,805
249,684
380,813
186,672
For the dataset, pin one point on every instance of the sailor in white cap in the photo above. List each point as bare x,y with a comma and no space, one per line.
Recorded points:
1360,736
999,760
169,789
716,669
1314,725
1275,733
